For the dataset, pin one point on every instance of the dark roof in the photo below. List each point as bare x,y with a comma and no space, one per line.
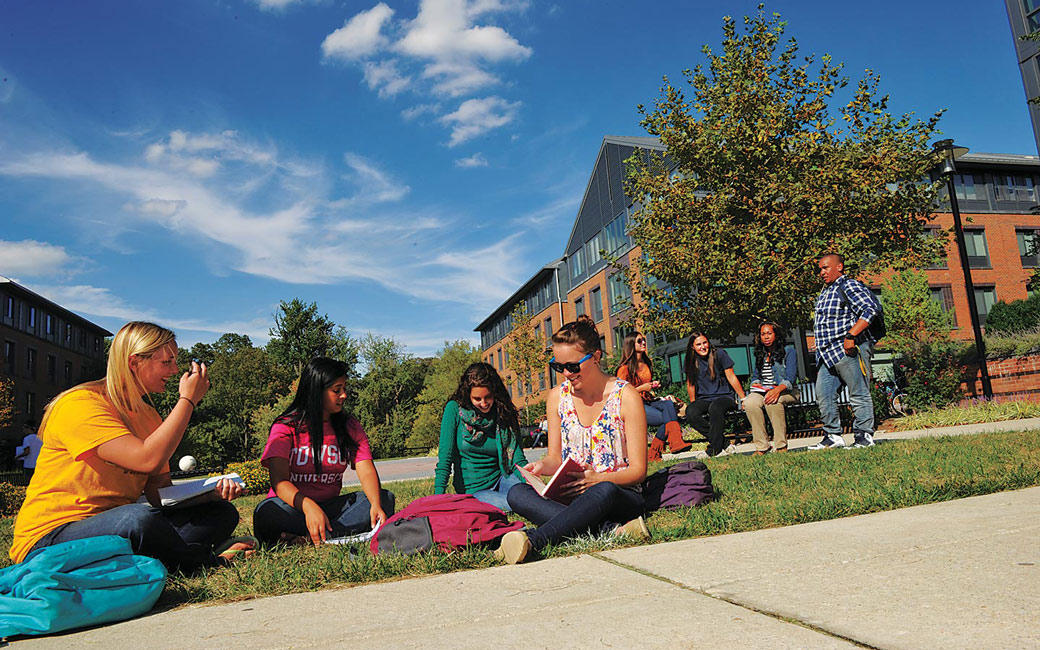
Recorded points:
526,287
1003,159
16,288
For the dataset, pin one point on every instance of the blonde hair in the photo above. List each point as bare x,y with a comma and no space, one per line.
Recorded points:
120,386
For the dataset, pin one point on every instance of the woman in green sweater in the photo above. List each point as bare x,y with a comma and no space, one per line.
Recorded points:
480,439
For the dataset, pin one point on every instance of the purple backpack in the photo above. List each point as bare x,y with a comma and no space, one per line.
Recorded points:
444,520
684,484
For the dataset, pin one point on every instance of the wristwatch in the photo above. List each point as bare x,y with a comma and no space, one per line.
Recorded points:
850,337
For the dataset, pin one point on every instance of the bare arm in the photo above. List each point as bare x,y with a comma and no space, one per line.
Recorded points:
366,471
634,417
549,463
152,454
731,377
691,391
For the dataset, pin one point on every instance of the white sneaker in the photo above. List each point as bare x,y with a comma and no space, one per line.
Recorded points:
830,441
728,451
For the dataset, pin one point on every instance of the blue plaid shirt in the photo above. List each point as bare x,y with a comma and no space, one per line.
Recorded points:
833,319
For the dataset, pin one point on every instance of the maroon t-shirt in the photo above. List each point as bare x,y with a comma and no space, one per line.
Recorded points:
295,446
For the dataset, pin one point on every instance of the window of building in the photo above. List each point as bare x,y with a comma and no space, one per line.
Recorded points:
615,237
68,373
1028,247
30,363
964,185
1032,8
978,253
596,304
52,368
944,296
32,318
9,349
500,358
48,324
507,358
30,406
541,381
548,330
552,378
68,334
538,330
97,344
579,306
985,298
620,293
9,308
577,263
936,232
593,248
510,387
603,344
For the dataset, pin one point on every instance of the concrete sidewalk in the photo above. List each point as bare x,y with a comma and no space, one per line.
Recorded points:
960,574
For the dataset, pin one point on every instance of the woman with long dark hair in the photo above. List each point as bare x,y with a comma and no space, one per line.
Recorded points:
480,439
772,386
306,470
711,384
638,369
607,494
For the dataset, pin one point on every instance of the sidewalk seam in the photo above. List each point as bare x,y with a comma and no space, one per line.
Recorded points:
764,612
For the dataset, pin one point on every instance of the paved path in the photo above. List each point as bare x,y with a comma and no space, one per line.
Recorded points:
960,574
404,469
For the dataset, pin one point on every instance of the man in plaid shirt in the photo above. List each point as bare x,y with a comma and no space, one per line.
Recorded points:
844,346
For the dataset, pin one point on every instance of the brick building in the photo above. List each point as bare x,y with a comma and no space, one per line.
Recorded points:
46,349
997,194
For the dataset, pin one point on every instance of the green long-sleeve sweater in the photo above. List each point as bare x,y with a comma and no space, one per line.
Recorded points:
474,466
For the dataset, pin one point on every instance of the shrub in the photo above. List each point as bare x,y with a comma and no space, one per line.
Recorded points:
1000,346
258,481
1006,318
11,497
934,371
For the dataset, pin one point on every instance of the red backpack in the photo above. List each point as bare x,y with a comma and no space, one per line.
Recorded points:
445,520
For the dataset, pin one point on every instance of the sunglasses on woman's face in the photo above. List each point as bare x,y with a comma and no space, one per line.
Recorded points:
574,367
640,340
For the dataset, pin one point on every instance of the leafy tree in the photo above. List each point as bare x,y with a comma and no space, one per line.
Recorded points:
7,409
527,352
387,394
770,162
1015,317
445,370
300,334
910,313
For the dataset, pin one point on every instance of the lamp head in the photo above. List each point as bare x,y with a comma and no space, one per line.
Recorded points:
950,153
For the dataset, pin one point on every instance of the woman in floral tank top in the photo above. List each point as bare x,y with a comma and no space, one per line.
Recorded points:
611,448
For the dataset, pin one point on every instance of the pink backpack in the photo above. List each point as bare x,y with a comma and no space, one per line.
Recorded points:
444,520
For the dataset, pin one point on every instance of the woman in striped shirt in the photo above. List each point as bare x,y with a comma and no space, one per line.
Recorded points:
772,387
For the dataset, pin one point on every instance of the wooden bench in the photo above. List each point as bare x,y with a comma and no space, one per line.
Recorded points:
803,417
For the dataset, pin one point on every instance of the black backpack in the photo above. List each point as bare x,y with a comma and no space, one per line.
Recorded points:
877,327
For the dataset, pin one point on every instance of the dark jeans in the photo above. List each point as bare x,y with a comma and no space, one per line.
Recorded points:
181,538
602,506
348,514
713,426
658,414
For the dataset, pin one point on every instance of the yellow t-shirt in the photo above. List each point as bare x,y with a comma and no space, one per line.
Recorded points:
71,483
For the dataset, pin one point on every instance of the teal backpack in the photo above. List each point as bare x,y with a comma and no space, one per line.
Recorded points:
77,584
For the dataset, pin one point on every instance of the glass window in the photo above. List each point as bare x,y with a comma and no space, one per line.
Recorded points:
9,307
68,334
1028,246
541,381
579,306
978,253
68,373
944,296
935,232
577,263
9,349
30,363
500,358
548,329
741,358
30,405
985,298
538,330
32,317
596,304
592,249
52,368
964,185
620,293
48,324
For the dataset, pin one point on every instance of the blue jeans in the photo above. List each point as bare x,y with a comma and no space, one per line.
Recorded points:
828,383
349,514
497,496
602,506
180,538
658,414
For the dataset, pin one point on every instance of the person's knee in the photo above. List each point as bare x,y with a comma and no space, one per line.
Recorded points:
516,495
387,501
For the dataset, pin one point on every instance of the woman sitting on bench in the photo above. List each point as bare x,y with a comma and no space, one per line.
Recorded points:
637,369
772,386
710,382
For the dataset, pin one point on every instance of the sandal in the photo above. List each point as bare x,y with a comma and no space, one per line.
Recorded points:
248,545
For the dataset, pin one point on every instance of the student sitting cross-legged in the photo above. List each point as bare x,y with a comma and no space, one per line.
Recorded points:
104,445
772,386
480,439
598,421
305,504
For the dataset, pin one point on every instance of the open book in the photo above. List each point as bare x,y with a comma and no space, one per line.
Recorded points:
193,492
354,539
559,480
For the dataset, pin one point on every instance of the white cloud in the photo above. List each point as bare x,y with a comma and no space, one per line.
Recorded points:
359,37
477,116
376,185
385,78
444,30
275,5
456,79
420,109
32,258
476,160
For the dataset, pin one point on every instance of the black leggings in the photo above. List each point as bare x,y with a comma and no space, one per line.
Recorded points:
602,506
711,427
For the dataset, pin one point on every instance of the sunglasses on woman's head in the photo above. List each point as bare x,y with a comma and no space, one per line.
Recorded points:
574,367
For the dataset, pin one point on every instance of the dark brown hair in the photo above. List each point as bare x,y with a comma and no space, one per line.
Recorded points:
581,332
693,361
631,360
774,351
483,375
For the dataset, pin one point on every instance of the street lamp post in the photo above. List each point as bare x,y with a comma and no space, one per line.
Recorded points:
950,152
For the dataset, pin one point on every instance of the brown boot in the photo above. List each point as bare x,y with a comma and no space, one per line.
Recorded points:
656,447
675,439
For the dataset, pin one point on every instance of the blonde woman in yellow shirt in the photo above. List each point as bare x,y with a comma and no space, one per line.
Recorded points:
104,446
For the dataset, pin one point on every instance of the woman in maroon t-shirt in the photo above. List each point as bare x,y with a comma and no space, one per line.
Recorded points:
305,503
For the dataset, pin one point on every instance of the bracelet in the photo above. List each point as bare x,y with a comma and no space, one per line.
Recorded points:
850,337
193,405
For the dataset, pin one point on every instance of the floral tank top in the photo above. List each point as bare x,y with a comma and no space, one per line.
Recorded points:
601,445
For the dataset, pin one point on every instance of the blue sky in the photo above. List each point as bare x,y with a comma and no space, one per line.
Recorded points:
406,165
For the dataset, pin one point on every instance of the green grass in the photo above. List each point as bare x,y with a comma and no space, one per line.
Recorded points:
974,413
754,493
